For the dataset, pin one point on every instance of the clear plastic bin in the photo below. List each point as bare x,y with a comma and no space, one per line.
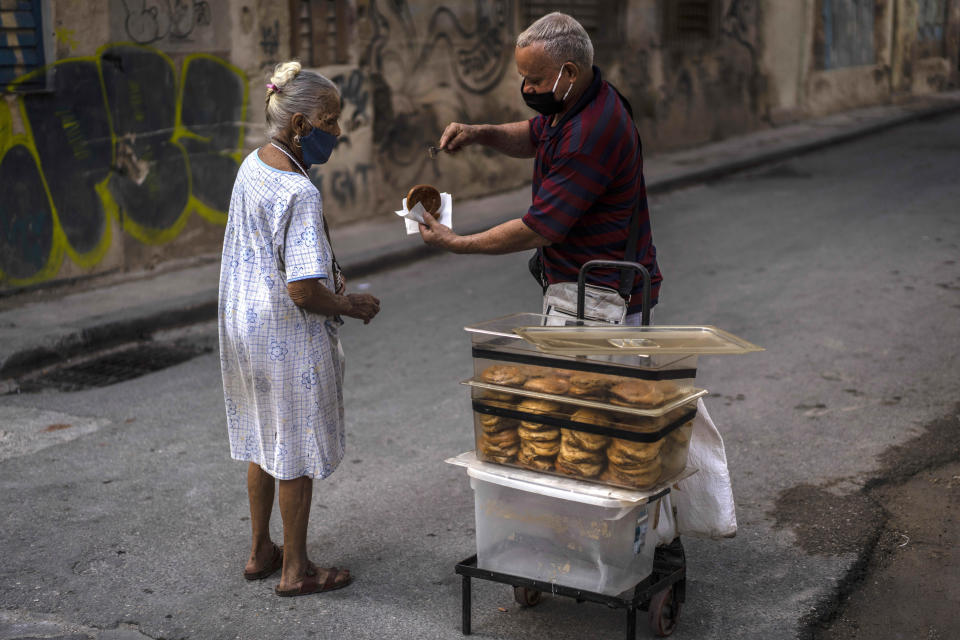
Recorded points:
603,443
600,382
578,539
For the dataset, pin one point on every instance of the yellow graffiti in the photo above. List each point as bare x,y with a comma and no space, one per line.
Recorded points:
60,244
64,35
180,131
7,141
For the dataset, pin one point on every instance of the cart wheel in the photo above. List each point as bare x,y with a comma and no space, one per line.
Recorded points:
526,597
664,612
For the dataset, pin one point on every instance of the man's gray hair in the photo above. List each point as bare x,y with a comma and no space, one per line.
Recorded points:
564,39
295,90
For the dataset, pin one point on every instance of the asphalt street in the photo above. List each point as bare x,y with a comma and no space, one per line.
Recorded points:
844,264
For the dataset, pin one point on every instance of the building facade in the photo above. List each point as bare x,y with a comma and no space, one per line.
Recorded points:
122,122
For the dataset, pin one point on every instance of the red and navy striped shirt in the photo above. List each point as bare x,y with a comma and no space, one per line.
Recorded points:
587,179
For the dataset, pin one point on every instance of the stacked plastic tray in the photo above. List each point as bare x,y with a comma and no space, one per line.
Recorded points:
580,402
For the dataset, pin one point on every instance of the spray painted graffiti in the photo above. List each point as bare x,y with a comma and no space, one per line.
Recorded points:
346,186
355,97
413,105
148,21
120,137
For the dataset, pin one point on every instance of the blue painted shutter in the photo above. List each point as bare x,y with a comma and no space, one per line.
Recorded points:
21,42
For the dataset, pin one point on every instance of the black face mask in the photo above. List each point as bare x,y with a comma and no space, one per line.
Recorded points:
545,102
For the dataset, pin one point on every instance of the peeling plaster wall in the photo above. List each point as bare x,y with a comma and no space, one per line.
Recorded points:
688,95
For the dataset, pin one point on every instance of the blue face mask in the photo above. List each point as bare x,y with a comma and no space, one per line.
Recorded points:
317,146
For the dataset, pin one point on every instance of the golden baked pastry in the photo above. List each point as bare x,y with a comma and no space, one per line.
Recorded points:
504,374
542,434
573,454
427,195
644,478
584,440
635,393
536,405
542,448
582,469
668,388
547,384
535,462
504,443
498,396
625,452
496,424
591,416
503,438
589,385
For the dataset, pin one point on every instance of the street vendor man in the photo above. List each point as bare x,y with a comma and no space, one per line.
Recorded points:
588,173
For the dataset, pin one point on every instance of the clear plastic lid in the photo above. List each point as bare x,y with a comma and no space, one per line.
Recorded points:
501,335
563,488
504,326
619,340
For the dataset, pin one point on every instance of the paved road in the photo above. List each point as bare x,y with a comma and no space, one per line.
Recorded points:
844,264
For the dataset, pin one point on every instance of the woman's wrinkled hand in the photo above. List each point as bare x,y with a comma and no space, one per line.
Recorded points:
363,306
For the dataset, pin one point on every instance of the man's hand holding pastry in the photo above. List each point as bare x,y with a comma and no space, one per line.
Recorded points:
438,235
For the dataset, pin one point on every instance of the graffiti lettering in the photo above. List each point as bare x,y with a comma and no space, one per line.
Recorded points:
149,21
270,39
138,149
345,184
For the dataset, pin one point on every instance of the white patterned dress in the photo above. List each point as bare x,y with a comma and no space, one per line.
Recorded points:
282,366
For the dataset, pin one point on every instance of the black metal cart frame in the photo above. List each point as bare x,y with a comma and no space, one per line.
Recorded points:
661,593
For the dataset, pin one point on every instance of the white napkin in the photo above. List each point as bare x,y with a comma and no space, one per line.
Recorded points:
413,217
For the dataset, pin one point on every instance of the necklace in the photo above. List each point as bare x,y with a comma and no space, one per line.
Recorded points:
337,272
282,148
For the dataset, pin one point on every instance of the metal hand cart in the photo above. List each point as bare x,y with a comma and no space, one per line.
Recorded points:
661,593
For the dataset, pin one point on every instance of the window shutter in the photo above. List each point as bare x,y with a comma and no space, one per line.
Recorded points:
603,21
690,22
21,43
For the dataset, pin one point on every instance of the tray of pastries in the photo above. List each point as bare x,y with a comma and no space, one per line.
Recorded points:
610,445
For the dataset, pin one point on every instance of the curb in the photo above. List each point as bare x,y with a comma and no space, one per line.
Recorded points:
101,332
711,174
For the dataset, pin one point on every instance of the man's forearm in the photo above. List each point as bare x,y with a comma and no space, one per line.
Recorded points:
509,237
512,138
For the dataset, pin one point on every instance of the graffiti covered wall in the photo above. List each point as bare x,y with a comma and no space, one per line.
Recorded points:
129,157
122,136
429,64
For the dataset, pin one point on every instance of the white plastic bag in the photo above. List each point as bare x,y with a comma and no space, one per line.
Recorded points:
704,501
664,523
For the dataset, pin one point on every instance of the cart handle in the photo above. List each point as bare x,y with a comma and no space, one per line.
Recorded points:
614,264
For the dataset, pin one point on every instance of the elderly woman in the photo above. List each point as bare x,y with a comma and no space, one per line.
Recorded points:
281,300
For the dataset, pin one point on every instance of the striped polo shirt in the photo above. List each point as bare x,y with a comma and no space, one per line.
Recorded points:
587,179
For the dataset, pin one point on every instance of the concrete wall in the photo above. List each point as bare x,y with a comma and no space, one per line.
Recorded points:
128,161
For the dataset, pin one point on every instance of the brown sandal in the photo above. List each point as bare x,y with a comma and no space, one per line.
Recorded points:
276,563
310,584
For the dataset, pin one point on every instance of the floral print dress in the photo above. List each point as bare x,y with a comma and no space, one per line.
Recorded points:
282,365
